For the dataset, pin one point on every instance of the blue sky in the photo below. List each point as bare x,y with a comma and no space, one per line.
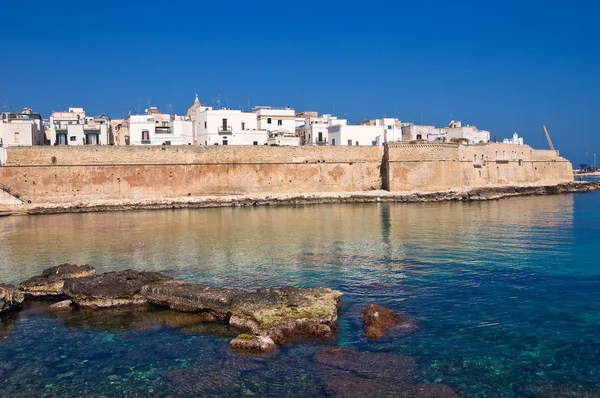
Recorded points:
504,66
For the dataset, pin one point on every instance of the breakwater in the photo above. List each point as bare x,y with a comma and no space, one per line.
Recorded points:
76,177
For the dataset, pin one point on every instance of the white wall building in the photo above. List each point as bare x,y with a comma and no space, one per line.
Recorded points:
283,139
230,127
368,133
314,130
516,140
157,128
275,119
21,129
74,128
456,132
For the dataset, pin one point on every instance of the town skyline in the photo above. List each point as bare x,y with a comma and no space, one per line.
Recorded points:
504,67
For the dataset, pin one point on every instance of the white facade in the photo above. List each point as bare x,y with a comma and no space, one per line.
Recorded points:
283,139
275,119
456,132
314,130
74,128
229,127
367,133
160,129
515,140
19,129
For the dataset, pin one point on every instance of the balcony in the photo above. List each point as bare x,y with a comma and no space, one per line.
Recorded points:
146,142
162,130
321,142
479,163
502,159
225,130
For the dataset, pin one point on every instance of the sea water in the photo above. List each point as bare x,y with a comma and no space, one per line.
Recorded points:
506,293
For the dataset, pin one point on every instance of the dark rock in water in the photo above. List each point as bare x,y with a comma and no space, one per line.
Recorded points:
10,298
64,305
205,381
397,368
253,343
111,289
380,320
282,314
350,387
51,281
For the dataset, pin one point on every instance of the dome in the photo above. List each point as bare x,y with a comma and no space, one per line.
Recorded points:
192,111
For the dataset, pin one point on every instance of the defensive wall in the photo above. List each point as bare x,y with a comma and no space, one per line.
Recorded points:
71,174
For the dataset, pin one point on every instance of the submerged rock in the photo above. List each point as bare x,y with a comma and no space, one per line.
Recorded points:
111,289
350,387
397,368
380,320
253,343
282,314
51,281
10,298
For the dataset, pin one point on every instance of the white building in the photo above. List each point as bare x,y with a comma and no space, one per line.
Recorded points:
516,140
230,127
156,128
457,132
368,133
275,119
74,128
283,139
21,129
314,130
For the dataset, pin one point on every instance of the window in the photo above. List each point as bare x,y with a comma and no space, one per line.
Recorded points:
333,141
374,143
72,138
280,122
320,136
349,142
204,124
91,139
356,143
268,120
389,127
224,141
419,137
244,127
17,138
145,136
224,124
255,143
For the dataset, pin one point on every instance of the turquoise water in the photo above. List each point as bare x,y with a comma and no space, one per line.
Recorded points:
507,294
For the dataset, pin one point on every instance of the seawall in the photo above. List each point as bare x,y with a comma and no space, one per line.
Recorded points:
71,176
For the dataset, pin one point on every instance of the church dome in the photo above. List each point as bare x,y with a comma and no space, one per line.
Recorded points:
192,111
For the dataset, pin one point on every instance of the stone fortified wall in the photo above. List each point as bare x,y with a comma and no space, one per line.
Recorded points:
71,174
67,174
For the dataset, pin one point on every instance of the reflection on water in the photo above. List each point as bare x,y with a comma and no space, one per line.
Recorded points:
506,293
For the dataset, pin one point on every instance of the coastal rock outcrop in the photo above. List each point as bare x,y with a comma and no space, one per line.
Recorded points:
51,281
379,320
253,343
281,314
111,289
356,387
10,298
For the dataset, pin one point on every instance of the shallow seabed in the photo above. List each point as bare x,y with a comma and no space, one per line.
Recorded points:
507,294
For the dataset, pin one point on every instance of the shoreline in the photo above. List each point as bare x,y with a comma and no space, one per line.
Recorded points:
464,194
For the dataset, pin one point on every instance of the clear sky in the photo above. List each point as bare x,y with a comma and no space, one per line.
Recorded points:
503,66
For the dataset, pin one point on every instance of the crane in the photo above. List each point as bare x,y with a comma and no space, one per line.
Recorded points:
548,138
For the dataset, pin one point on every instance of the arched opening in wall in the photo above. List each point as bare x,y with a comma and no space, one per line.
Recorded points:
479,173
497,172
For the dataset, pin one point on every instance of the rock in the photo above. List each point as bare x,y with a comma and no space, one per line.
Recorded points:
111,289
64,305
51,281
379,320
282,314
254,343
350,387
10,298
397,368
